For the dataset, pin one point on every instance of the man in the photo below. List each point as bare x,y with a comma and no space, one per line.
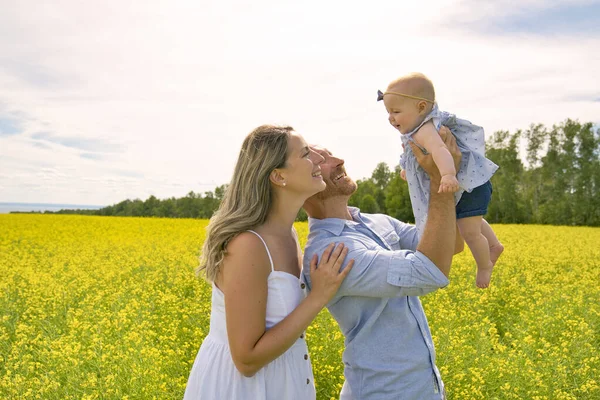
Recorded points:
389,352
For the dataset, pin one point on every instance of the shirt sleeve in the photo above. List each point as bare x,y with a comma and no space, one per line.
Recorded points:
387,273
407,233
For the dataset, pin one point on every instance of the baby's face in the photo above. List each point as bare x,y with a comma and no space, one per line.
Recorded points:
403,113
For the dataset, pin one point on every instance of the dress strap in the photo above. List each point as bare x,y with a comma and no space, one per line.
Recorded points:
268,252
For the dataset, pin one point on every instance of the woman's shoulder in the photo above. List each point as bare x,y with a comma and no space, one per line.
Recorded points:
244,241
247,248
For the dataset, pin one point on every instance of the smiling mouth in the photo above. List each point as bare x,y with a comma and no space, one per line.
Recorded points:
339,177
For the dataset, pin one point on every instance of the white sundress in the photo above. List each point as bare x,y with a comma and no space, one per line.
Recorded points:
288,377
475,169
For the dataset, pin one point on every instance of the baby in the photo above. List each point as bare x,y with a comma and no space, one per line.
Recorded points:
410,103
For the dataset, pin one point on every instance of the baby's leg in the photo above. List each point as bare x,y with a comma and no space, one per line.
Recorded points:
496,247
470,229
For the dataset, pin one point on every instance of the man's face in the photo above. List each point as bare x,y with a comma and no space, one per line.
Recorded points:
334,176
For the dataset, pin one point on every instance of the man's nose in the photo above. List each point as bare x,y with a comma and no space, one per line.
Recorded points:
317,158
338,161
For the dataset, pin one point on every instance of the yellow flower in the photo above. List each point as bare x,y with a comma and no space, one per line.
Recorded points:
111,308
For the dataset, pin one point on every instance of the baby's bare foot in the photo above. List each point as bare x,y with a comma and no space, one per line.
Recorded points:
484,275
495,251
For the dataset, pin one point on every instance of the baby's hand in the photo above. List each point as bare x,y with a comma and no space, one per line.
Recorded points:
403,174
448,184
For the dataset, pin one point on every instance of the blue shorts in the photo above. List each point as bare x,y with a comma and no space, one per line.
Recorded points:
474,203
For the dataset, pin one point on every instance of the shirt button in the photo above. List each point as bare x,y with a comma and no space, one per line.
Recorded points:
307,381
306,356
302,336
302,285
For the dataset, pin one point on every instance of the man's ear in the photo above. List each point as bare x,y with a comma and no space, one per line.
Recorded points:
277,177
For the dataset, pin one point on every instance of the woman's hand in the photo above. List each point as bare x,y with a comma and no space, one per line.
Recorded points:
327,277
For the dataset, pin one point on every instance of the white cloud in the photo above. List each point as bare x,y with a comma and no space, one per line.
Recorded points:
159,95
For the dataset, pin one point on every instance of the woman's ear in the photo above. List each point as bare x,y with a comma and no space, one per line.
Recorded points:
277,178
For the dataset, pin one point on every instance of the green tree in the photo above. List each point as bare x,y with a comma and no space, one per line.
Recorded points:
364,187
536,137
302,216
368,204
397,199
220,192
554,207
506,205
151,207
585,192
209,205
381,178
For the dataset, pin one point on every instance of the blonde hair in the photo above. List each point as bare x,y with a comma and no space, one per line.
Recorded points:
248,196
416,84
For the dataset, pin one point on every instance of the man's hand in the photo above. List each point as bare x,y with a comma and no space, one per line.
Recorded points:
426,161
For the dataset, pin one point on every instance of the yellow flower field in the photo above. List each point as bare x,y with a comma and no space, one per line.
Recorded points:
109,308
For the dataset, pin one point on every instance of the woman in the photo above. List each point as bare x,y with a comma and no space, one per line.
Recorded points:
255,348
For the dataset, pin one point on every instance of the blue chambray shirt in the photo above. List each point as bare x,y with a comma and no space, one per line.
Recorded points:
389,352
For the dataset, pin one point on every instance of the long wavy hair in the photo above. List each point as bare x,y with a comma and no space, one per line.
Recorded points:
248,197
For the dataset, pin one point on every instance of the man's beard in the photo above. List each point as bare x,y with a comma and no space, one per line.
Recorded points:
347,189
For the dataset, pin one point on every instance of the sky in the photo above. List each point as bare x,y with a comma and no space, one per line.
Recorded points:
107,100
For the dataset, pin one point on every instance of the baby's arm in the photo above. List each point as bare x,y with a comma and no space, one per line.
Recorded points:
403,174
428,137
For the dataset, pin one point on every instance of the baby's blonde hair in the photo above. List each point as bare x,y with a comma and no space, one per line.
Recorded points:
414,84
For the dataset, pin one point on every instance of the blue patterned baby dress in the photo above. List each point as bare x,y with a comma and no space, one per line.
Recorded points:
474,170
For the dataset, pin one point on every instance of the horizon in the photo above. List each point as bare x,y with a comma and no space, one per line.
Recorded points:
50,204
14,207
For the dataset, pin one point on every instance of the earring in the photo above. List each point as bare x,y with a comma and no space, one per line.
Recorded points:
284,183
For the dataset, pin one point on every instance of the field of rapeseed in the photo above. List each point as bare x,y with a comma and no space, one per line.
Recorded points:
109,308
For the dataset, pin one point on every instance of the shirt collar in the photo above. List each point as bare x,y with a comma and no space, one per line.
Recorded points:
334,225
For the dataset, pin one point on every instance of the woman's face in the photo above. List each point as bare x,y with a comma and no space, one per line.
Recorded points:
302,172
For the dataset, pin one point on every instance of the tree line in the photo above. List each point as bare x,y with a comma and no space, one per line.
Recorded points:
193,205
558,184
